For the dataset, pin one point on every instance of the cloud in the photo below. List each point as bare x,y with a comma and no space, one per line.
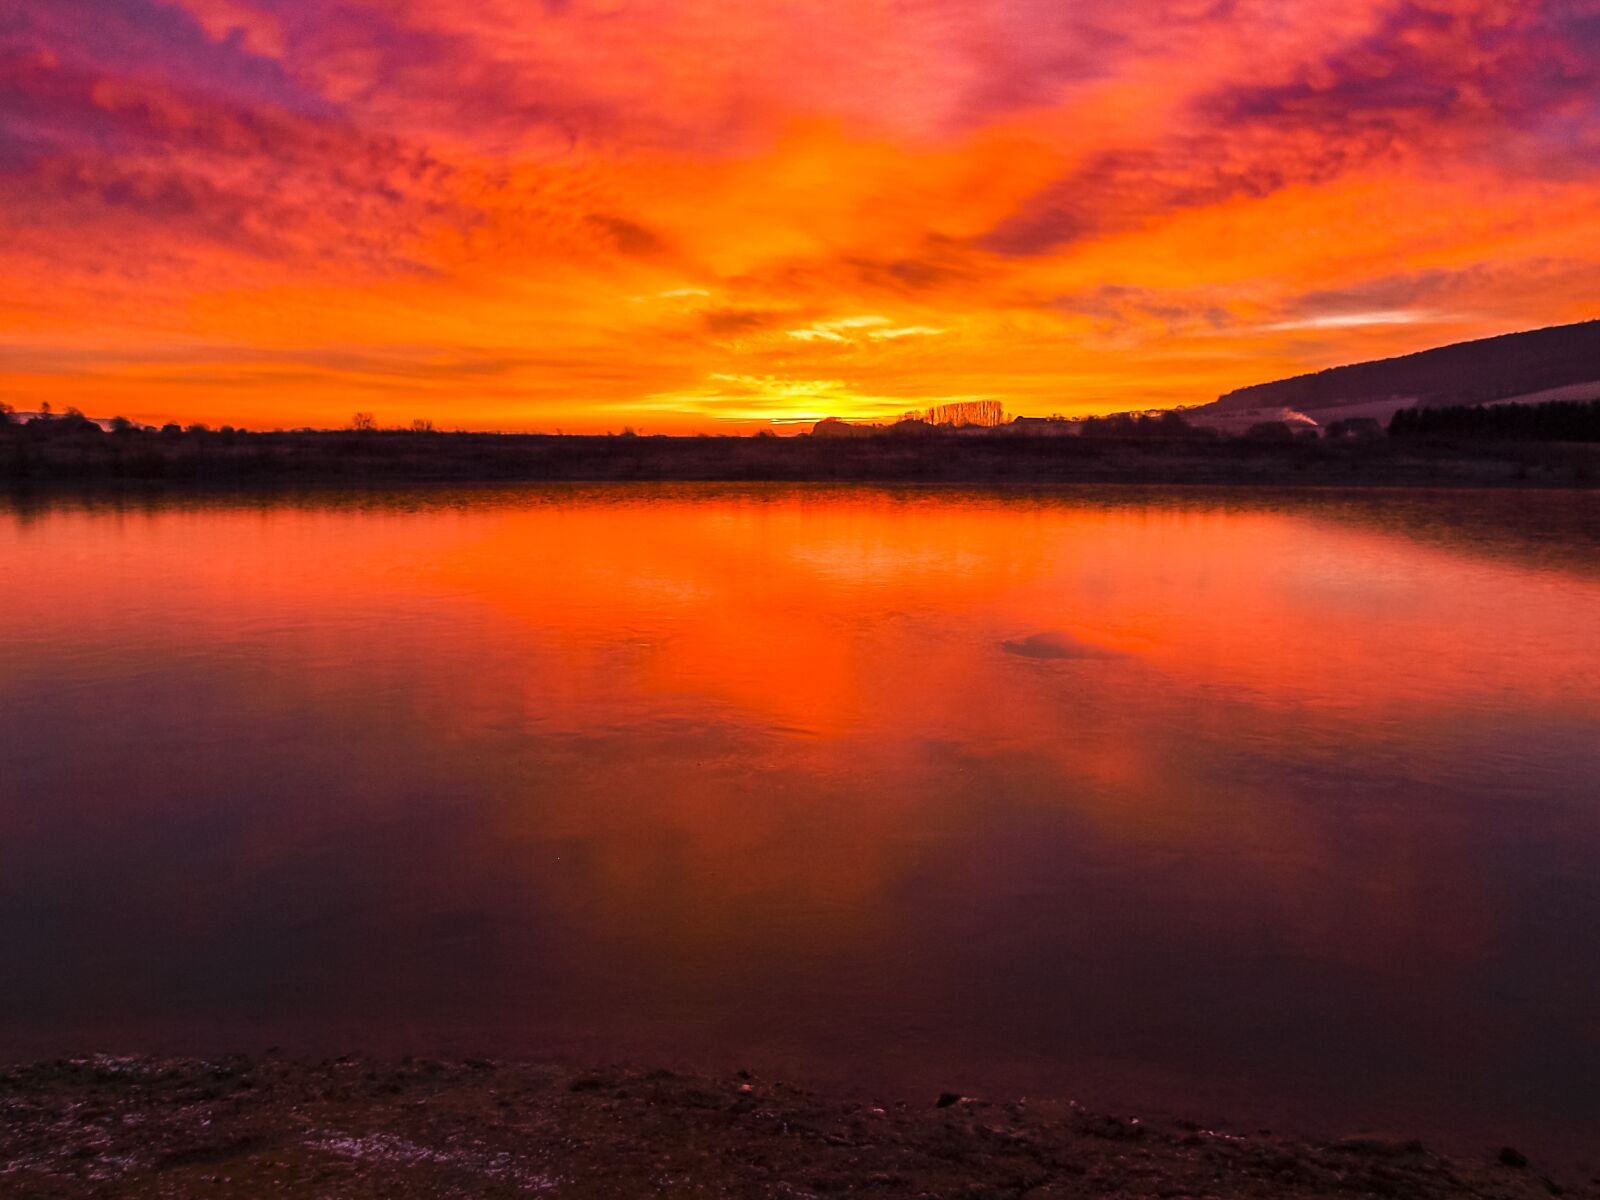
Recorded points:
942,264
903,331
629,237
1353,320
850,331
725,321
841,329
145,43
1498,82
111,168
1118,307
1067,207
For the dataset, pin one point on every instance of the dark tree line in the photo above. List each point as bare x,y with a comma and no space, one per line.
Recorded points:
1552,421
1155,426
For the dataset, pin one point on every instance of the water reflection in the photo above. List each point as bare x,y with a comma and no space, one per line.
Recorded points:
1242,803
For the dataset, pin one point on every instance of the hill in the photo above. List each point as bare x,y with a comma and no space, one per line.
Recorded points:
1544,364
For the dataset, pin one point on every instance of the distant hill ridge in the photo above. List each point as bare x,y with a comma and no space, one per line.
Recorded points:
1496,368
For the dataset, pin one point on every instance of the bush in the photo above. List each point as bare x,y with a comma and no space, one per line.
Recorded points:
1552,421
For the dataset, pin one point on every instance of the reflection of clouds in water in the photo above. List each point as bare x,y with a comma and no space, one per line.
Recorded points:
1053,643
767,758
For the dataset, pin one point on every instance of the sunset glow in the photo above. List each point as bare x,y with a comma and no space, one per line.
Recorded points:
699,216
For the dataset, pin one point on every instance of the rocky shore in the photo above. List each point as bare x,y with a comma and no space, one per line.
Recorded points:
253,1127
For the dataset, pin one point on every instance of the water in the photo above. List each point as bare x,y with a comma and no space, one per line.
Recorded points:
1272,807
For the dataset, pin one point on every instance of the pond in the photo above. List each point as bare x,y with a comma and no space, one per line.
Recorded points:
1263,806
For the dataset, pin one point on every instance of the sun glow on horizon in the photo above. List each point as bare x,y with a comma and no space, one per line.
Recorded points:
685,217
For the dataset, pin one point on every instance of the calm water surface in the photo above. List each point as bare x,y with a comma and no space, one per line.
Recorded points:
1251,805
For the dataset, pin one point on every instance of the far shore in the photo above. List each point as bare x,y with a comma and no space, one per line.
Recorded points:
390,457
240,1126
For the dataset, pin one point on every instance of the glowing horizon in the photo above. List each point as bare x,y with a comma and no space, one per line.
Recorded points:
586,214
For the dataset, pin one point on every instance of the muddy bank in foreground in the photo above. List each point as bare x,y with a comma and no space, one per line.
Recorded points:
243,1127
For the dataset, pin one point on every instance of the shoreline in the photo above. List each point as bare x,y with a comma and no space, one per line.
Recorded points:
387,459
248,1126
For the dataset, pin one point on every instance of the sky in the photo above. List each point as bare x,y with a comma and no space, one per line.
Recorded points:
705,216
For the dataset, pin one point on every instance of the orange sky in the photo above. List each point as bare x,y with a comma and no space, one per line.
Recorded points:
694,215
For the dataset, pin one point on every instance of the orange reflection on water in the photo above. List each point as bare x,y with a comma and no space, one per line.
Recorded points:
1161,771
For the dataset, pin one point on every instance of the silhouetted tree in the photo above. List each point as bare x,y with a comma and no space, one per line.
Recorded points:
1172,425
1552,421
1270,431
73,421
1355,427
363,422
961,412
1150,426
422,425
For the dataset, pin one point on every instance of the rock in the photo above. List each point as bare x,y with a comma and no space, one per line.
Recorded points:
1510,1156
946,1099
1053,643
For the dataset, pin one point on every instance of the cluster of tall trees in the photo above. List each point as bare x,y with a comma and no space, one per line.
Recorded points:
1552,421
964,412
